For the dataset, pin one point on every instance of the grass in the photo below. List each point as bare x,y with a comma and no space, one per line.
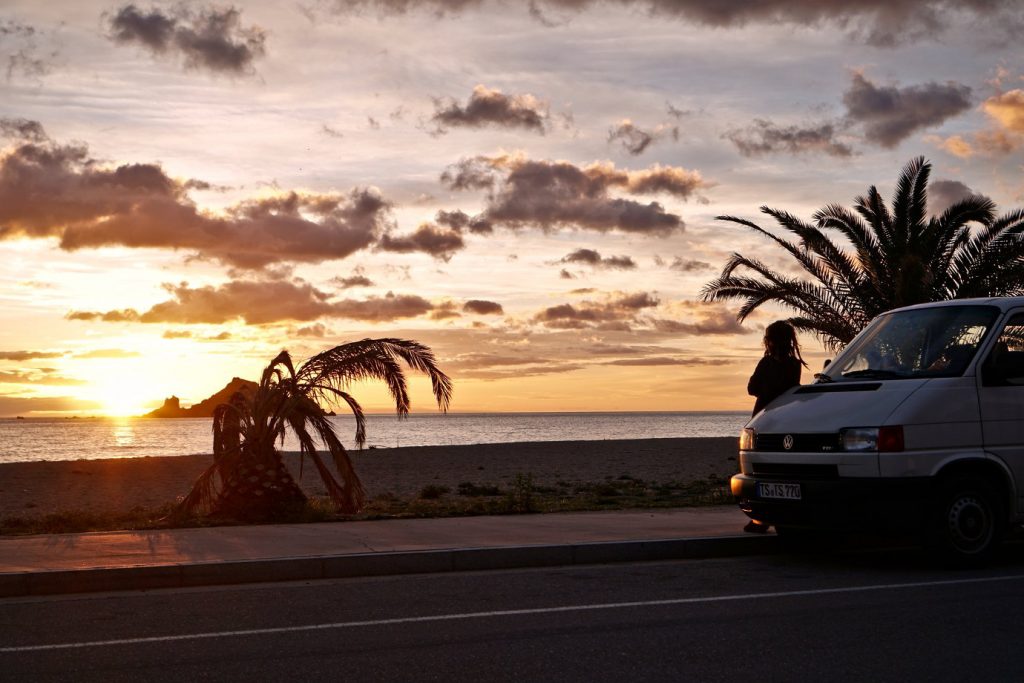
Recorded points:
521,496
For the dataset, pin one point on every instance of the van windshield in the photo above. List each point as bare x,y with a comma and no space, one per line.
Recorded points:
923,342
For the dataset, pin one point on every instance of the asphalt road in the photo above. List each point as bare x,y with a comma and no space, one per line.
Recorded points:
862,616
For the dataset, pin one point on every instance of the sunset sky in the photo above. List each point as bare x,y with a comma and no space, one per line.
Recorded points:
530,188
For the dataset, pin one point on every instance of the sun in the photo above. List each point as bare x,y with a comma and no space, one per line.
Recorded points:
120,399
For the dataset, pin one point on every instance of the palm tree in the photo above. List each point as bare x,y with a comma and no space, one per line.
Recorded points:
248,477
900,256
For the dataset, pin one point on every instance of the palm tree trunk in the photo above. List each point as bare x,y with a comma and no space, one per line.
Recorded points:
255,491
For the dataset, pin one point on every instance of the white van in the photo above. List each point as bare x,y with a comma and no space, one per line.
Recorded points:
917,425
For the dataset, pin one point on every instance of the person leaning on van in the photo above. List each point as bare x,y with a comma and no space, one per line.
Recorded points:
779,368
777,371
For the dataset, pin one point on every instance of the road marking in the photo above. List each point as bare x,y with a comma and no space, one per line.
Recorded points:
508,613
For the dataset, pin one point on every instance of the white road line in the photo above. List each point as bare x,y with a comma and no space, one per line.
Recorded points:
509,613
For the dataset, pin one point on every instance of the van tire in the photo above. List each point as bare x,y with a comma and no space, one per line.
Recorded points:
966,521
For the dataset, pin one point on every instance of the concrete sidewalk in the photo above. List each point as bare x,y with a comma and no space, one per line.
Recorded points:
129,560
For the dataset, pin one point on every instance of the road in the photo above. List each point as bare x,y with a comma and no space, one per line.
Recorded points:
861,616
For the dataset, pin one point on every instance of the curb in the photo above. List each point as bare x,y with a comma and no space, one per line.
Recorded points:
32,583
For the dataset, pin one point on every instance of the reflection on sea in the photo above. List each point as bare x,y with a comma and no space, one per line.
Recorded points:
124,433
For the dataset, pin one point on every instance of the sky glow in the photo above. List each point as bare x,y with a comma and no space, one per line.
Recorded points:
528,188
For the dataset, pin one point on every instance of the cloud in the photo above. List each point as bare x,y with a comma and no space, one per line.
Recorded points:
655,361
428,239
616,313
681,265
462,222
126,315
636,140
487,107
210,38
942,194
263,302
566,275
177,334
481,307
883,23
29,355
551,194
890,114
358,280
704,320
92,205
764,137
38,378
1007,109
316,331
20,48
590,257
106,353
22,129
1004,136
17,405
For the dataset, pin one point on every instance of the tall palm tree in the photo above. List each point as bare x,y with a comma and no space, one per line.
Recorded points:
892,257
248,477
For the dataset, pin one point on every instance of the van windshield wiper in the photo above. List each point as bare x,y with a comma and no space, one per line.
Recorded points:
823,378
873,373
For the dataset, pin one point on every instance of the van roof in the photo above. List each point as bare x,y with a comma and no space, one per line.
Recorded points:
1004,303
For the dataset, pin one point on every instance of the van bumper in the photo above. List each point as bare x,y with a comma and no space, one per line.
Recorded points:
847,503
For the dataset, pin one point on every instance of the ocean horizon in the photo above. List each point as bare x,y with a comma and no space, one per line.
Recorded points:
74,438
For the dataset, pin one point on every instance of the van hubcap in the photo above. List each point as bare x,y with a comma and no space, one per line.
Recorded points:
969,523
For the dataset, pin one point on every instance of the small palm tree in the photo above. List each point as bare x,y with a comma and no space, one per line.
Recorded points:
248,477
899,257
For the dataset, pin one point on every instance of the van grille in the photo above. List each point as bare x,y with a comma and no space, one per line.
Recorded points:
802,443
794,470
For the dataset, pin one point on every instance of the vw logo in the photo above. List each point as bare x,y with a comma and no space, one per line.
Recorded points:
787,442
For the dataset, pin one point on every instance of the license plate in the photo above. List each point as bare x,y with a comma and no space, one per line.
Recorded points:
778,490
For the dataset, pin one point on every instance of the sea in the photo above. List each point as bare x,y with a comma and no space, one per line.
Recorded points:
36,439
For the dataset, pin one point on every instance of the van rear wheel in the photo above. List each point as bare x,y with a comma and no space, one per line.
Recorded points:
966,521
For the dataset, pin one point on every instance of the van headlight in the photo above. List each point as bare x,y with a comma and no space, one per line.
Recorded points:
748,439
880,439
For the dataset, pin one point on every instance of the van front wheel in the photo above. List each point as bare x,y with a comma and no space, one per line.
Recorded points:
966,521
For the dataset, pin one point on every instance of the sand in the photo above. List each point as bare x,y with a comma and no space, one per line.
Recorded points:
35,489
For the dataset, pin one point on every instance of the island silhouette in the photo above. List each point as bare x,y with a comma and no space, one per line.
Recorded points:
172,405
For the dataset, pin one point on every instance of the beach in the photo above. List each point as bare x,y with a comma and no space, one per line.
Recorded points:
111,486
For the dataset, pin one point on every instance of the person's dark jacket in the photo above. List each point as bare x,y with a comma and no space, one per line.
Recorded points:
771,378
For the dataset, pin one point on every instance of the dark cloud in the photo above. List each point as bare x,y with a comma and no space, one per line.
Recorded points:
890,114
20,48
331,132
126,315
357,280
462,222
551,194
481,307
428,239
943,194
566,275
707,321
210,38
445,310
593,258
636,140
22,129
681,265
884,23
654,361
91,205
487,107
617,313
262,302
764,137
29,355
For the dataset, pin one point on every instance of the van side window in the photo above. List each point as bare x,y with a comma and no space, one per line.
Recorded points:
1005,364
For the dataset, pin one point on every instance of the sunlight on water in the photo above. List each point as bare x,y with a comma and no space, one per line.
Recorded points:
72,439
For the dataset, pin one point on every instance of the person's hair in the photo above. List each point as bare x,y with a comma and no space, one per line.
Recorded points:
780,341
